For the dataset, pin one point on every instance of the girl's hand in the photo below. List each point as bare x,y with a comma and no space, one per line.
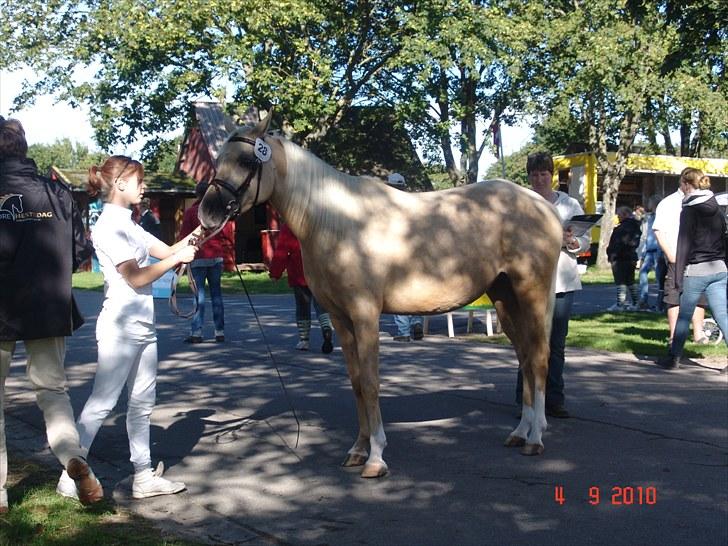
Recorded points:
187,254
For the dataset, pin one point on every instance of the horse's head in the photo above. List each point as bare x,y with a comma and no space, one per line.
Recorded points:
243,176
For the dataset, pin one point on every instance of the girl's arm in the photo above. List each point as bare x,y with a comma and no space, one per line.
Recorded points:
137,277
162,250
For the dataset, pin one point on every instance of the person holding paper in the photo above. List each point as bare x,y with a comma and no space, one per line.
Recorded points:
540,169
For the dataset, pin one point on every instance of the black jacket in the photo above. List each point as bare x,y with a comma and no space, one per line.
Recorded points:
624,241
701,235
42,240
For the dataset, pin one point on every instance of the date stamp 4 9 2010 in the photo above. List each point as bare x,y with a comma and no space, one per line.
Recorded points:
616,496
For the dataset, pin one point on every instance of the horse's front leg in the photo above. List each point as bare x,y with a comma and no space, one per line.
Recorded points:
366,332
359,452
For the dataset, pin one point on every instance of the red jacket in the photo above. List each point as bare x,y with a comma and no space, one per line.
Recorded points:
287,256
215,247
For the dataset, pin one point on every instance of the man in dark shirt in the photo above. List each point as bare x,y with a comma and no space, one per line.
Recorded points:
42,241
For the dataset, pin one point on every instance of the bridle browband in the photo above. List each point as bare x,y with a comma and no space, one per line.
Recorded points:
256,170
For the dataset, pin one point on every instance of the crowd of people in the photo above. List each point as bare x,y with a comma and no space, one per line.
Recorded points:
44,241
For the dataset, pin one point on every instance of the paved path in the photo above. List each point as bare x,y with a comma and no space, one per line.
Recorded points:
223,426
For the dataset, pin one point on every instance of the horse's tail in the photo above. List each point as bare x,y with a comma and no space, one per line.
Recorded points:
551,302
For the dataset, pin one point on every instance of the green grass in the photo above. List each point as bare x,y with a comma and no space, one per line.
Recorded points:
604,276
637,333
39,516
257,283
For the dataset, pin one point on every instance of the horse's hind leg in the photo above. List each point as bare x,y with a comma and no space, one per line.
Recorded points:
359,452
366,334
526,314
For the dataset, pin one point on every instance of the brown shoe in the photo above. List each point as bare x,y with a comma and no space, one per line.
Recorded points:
88,486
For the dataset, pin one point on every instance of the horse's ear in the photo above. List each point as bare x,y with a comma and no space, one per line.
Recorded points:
264,125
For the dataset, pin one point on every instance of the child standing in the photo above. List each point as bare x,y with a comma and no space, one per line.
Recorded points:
622,254
125,331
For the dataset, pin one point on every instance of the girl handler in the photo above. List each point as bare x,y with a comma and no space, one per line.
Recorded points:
125,331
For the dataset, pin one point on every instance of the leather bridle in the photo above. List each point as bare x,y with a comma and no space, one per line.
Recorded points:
232,209
256,170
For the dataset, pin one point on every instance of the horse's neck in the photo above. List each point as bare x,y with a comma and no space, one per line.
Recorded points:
301,195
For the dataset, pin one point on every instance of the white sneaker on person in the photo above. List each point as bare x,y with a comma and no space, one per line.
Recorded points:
302,346
616,307
148,483
66,486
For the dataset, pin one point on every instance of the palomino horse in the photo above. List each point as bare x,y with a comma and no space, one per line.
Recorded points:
368,249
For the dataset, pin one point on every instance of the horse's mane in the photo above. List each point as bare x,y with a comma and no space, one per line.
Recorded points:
320,197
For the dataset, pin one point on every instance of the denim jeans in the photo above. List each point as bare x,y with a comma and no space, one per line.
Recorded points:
405,322
651,261
213,274
714,287
557,351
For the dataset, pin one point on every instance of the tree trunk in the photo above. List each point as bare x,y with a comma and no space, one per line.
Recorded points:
613,175
609,202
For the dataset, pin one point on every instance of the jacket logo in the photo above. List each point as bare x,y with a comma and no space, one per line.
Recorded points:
11,208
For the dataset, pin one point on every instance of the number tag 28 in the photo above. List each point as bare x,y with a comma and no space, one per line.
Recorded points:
262,150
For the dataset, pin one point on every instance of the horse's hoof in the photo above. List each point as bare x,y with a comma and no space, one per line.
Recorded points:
514,441
532,449
374,470
354,459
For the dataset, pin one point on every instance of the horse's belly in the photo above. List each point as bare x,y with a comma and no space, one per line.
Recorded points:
428,295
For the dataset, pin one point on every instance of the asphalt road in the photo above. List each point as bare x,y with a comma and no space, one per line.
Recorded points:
643,461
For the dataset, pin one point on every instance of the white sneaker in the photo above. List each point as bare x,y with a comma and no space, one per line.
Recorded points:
66,486
3,501
302,346
151,484
616,307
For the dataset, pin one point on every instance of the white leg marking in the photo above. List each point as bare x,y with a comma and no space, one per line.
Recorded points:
539,419
377,441
526,422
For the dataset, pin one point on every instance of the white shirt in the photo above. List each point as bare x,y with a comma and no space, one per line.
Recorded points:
117,239
567,272
667,219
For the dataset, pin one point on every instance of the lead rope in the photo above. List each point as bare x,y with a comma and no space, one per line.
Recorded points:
275,364
183,268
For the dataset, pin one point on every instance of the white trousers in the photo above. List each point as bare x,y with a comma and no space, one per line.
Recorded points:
46,374
134,363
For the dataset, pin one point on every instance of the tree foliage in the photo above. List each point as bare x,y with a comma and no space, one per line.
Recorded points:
63,154
460,70
608,63
151,58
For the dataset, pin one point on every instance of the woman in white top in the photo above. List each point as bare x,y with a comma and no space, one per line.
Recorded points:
540,169
125,331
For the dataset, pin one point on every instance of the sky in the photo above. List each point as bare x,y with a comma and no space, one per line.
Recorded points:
47,121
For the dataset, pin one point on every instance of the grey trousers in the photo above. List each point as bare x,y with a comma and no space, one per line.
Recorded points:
45,371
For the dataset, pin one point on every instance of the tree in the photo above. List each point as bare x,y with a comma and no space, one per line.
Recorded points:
63,154
163,154
515,165
312,58
604,60
695,95
458,72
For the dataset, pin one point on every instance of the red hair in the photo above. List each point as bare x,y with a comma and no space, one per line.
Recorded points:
102,179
